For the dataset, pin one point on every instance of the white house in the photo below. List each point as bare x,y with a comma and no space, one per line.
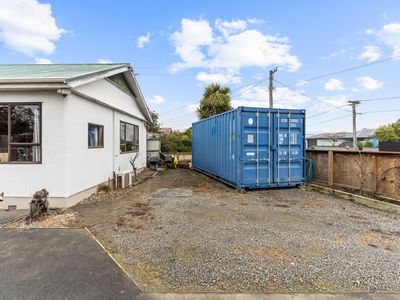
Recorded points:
67,128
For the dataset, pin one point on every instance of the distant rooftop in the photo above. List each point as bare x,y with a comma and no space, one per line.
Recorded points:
54,72
362,133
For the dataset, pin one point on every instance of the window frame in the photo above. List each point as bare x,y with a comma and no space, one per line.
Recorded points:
40,144
135,148
102,139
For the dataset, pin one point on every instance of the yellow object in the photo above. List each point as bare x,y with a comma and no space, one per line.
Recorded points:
175,160
3,157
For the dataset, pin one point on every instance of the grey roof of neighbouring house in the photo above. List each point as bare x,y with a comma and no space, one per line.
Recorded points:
55,72
362,133
67,76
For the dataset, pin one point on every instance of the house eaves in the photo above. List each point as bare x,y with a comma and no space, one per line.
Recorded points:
66,77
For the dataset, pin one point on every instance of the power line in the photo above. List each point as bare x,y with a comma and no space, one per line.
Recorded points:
379,99
250,85
346,70
326,121
306,95
327,111
379,111
177,109
247,87
361,113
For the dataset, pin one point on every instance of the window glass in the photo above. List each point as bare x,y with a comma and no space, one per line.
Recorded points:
20,138
122,147
129,137
136,139
95,136
3,132
25,123
25,153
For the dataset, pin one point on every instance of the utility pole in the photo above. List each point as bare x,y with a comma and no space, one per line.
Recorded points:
271,87
353,105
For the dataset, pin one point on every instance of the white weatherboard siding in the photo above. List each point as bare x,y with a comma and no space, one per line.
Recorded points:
22,180
70,170
86,167
108,93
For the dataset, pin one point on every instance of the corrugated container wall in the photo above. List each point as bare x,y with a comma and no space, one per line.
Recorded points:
252,147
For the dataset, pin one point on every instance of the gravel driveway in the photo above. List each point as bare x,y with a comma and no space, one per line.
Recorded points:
182,231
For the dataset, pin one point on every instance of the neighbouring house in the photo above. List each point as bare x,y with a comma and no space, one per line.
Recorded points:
165,131
340,139
68,128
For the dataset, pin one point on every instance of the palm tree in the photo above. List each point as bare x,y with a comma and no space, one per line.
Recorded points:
216,99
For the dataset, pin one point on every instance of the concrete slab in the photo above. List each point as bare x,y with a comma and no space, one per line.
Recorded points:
58,264
173,193
8,216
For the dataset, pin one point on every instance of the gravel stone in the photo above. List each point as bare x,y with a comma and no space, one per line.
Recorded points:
182,231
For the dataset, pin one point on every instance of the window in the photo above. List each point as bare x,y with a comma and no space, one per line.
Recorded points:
129,141
95,136
20,132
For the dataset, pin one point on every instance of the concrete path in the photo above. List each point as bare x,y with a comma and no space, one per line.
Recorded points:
58,264
8,216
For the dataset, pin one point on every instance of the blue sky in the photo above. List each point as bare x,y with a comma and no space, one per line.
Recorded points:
178,47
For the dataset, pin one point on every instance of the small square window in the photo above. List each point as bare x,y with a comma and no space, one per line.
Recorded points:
95,136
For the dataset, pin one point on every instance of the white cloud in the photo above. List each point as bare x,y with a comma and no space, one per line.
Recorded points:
301,83
369,83
157,99
192,108
390,35
28,26
222,78
335,54
371,53
104,61
256,21
41,60
234,48
329,102
334,85
369,32
143,40
252,48
227,28
258,97
188,41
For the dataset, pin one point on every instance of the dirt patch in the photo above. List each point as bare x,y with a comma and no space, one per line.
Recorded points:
382,241
56,219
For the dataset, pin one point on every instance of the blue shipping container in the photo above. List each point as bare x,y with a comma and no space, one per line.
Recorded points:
252,148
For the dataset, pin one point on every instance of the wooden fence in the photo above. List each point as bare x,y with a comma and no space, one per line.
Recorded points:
374,173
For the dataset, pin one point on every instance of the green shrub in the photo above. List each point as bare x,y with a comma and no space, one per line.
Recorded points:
367,144
103,188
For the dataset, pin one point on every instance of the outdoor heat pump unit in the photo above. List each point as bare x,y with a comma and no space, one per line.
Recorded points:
123,179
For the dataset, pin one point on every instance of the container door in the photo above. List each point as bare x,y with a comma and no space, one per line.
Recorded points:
256,156
288,157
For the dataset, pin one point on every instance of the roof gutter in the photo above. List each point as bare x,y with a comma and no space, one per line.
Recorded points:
32,86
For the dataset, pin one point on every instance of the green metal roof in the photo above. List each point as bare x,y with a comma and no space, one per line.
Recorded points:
52,72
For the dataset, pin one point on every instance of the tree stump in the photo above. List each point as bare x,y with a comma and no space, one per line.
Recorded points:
39,206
